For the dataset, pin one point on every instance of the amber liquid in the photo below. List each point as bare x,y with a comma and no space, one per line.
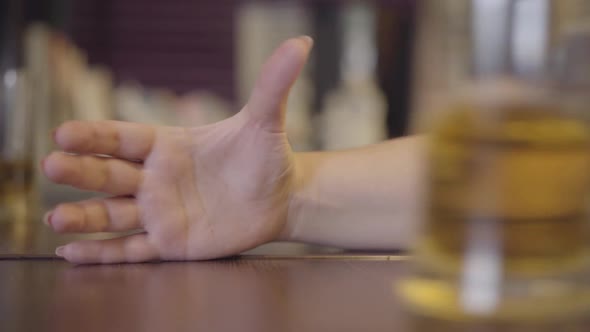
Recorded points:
528,176
16,204
516,184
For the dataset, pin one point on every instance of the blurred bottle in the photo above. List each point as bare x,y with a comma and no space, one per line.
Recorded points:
506,236
354,113
17,197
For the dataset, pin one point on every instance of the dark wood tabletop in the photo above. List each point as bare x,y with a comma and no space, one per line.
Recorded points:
255,293
279,287
250,293
272,288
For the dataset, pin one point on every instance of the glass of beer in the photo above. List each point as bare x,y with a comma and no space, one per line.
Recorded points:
16,162
507,107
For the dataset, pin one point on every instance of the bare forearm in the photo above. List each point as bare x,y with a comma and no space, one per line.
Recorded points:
366,198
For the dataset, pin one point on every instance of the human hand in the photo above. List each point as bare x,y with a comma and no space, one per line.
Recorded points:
191,193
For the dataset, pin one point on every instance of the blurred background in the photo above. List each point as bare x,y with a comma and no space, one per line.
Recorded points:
190,63
194,62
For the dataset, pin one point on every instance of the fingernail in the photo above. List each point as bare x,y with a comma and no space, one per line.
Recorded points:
60,251
47,218
307,40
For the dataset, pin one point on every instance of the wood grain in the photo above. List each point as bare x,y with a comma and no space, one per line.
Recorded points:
227,295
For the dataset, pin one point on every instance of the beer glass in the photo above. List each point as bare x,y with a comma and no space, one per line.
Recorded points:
502,89
16,160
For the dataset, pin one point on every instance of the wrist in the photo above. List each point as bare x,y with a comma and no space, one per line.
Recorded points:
300,206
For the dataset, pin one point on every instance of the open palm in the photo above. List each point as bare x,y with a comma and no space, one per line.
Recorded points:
191,193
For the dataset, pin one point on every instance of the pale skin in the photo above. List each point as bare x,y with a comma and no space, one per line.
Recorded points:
218,190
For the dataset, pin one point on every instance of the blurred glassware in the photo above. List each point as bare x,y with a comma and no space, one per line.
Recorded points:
17,195
506,235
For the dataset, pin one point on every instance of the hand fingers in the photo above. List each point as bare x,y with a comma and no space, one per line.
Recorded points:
278,74
125,140
108,175
96,215
127,249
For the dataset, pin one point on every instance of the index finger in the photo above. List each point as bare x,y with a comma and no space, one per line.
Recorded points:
120,139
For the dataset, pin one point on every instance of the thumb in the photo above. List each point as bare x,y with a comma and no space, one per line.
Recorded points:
267,102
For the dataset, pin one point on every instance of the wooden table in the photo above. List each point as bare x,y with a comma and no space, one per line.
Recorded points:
254,293
265,290
274,288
